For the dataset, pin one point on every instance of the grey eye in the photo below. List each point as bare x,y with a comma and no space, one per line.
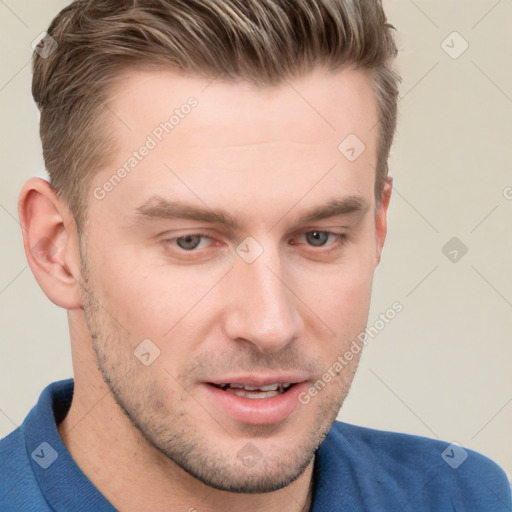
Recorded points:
317,238
189,242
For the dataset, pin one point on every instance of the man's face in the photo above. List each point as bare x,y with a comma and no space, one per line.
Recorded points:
266,293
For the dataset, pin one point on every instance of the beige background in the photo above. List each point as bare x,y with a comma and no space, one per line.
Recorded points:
442,367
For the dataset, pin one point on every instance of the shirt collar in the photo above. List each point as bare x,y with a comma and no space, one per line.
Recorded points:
66,487
62,482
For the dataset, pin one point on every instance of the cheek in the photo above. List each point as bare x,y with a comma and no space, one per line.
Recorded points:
341,296
149,299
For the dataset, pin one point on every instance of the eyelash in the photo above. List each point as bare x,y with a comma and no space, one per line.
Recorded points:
340,240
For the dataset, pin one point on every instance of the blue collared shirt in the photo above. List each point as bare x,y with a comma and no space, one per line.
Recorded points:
356,469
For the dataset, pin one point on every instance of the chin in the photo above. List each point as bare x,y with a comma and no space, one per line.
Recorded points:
266,475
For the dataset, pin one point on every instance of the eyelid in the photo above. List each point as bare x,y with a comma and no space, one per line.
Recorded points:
340,238
336,244
166,240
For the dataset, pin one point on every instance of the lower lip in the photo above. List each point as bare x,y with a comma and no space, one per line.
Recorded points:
256,411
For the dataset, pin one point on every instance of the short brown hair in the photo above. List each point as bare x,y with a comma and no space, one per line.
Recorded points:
261,41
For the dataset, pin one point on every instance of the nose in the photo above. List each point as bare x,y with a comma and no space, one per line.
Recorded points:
262,306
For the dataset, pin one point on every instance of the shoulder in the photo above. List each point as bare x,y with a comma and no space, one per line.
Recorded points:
20,452
398,450
419,470
18,487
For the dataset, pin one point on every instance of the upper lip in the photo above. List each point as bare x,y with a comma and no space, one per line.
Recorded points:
260,380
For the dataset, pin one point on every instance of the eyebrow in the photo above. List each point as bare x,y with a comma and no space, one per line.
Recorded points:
160,208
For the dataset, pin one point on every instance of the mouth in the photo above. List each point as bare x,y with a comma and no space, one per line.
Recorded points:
255,392
255,399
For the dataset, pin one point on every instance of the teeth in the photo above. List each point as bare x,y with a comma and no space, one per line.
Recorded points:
244,391
255,395
270,387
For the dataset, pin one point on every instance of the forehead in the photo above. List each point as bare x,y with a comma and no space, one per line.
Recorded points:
223,143
329,102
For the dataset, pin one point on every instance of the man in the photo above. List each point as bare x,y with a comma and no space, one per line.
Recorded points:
216,209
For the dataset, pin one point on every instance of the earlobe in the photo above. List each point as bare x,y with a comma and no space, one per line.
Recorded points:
382,214
51,242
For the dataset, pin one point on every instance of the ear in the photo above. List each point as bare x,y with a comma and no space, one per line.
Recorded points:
51,243
382,216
